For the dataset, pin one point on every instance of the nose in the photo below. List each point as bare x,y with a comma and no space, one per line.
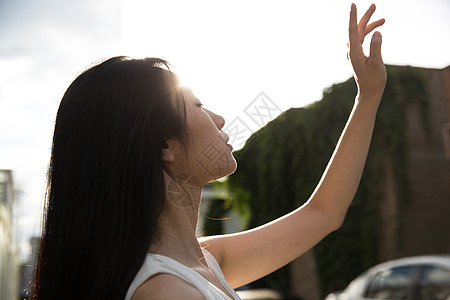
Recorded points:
217,119
220,122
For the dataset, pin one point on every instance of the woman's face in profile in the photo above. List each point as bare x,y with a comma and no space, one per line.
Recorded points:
208,156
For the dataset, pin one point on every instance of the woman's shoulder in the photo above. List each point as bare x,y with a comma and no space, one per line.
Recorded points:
166,286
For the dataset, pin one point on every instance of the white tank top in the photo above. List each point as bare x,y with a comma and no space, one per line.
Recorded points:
155,264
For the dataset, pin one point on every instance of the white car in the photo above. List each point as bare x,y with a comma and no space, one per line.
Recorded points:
412,278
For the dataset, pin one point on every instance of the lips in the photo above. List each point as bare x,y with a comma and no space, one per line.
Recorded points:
224,136
227,138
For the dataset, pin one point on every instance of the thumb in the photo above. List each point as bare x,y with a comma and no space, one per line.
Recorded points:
375,47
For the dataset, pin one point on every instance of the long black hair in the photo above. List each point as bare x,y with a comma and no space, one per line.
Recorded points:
105,187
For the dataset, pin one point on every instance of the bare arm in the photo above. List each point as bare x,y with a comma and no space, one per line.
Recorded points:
247,256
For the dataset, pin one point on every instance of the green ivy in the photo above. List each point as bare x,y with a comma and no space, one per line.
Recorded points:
282,163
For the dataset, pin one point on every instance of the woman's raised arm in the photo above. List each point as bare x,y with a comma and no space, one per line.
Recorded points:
249,255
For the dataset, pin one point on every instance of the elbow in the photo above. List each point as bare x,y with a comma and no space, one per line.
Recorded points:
338,219
334,220
337,223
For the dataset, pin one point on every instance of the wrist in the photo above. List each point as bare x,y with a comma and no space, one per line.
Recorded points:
373,97
370,102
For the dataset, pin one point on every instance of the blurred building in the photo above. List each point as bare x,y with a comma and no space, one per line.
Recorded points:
422,225
8,252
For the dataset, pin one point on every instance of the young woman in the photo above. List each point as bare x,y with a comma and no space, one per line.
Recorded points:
125,180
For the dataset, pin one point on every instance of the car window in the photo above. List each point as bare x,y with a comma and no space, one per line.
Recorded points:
392,283
434,283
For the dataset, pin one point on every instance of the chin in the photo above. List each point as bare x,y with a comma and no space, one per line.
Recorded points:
234,168
223,172
209,170
228,171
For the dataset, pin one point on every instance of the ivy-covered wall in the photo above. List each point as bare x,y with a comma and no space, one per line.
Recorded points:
284,161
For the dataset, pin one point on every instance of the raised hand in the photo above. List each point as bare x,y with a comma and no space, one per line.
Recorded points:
369,71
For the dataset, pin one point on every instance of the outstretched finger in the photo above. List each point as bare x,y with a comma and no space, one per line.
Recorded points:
353,29
365,19
374,25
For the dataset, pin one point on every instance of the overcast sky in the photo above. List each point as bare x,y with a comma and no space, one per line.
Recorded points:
228,52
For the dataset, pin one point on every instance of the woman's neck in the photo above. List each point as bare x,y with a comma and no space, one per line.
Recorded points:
178,222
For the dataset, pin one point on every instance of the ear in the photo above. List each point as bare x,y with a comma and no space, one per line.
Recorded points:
168,153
